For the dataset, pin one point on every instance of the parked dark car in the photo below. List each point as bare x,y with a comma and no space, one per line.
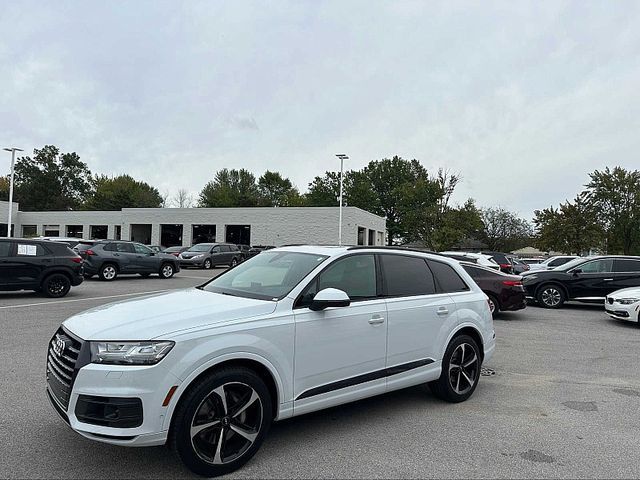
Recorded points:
157,248
110,258
244,251
175,251
256,249
505,291
208,255
41,265
518,266
501,259
588,279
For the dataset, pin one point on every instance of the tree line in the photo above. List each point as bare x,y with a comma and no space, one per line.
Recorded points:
415,203
605,216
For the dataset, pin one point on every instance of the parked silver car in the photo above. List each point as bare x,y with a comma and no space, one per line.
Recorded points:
208,255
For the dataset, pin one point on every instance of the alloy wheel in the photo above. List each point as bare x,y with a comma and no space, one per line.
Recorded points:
109,272
463,368
226,423
207,264
551,296
56,286
492,306
167,271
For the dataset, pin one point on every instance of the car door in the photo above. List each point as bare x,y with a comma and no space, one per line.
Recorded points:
217,257
626,273
593,279
419,318
340,353
6,263
146,260
126,257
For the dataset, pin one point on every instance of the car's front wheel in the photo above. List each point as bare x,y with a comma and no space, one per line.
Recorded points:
550,296
167,270
207,264
460,370
56,285
221,421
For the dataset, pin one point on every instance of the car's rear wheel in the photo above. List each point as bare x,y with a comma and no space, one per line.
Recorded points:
221,421
550,296
460,370
56,285
108,272
494,306
207,264
167,270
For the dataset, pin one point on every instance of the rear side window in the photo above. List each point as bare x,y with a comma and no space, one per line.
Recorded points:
30,250
447,279
224,248
5,249
473,271
405,276
110,247
559,261
622,265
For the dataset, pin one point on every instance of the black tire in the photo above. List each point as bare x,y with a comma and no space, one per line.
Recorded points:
108,272
234,262
494,305
207,264
167,270
551,296
201,451
454,385
56,285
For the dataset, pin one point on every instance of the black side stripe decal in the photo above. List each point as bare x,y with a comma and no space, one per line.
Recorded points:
367,377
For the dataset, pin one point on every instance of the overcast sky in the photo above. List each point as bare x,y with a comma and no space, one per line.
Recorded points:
522,98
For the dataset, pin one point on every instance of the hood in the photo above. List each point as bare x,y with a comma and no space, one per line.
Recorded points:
159,315
631,292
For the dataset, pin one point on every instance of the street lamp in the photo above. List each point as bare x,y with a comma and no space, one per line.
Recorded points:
342,158
13,151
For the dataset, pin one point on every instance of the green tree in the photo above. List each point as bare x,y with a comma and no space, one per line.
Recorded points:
230,188
123,191
277,191
457,224
51,181
615,196
4,188
324,191
504,230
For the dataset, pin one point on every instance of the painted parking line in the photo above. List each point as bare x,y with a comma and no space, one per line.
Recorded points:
55,302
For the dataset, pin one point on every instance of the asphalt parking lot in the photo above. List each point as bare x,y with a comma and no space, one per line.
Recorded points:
564,401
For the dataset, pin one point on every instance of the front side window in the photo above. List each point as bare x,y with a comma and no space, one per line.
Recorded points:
141,249
406,276
225,248
447,278
268,276
604,265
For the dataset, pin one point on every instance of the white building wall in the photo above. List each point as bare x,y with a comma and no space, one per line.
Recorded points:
4,214
269,226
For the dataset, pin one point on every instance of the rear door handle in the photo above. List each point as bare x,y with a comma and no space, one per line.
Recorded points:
376,320
443,311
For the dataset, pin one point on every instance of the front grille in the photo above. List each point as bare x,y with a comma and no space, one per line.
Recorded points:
62,359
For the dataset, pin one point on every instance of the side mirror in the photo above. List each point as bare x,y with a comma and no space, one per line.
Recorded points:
576,271
329,297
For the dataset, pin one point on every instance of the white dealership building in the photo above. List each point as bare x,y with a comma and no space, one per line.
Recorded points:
186,226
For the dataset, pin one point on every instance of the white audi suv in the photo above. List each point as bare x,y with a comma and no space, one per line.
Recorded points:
290,331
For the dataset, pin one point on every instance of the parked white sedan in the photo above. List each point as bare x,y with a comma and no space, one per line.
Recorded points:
287,332
624,304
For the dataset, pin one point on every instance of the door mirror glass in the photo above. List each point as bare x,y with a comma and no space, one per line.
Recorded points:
329,297
576,271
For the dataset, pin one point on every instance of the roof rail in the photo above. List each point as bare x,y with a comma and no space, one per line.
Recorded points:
392,247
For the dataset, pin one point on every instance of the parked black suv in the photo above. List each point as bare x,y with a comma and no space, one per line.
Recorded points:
583,279
41,265
110,258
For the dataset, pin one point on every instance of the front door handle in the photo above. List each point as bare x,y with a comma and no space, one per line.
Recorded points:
376,320
608,279
443,311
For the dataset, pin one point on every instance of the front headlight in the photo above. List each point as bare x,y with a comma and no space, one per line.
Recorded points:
628,301
130,353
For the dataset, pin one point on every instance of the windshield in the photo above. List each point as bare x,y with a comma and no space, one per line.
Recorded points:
569,265
268,276
201,247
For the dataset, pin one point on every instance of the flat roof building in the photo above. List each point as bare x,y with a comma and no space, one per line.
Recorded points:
186,226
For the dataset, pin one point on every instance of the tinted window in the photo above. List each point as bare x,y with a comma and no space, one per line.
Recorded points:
475,272
447,278
559,261
30,250
5,249
597,266
626,265
141,249
405,276
224,248
110,247
216,249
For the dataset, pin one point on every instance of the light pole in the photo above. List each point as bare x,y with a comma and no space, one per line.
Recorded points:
13,151
342,158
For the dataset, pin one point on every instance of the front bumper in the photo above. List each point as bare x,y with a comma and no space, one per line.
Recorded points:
627,313
150,384
192,262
